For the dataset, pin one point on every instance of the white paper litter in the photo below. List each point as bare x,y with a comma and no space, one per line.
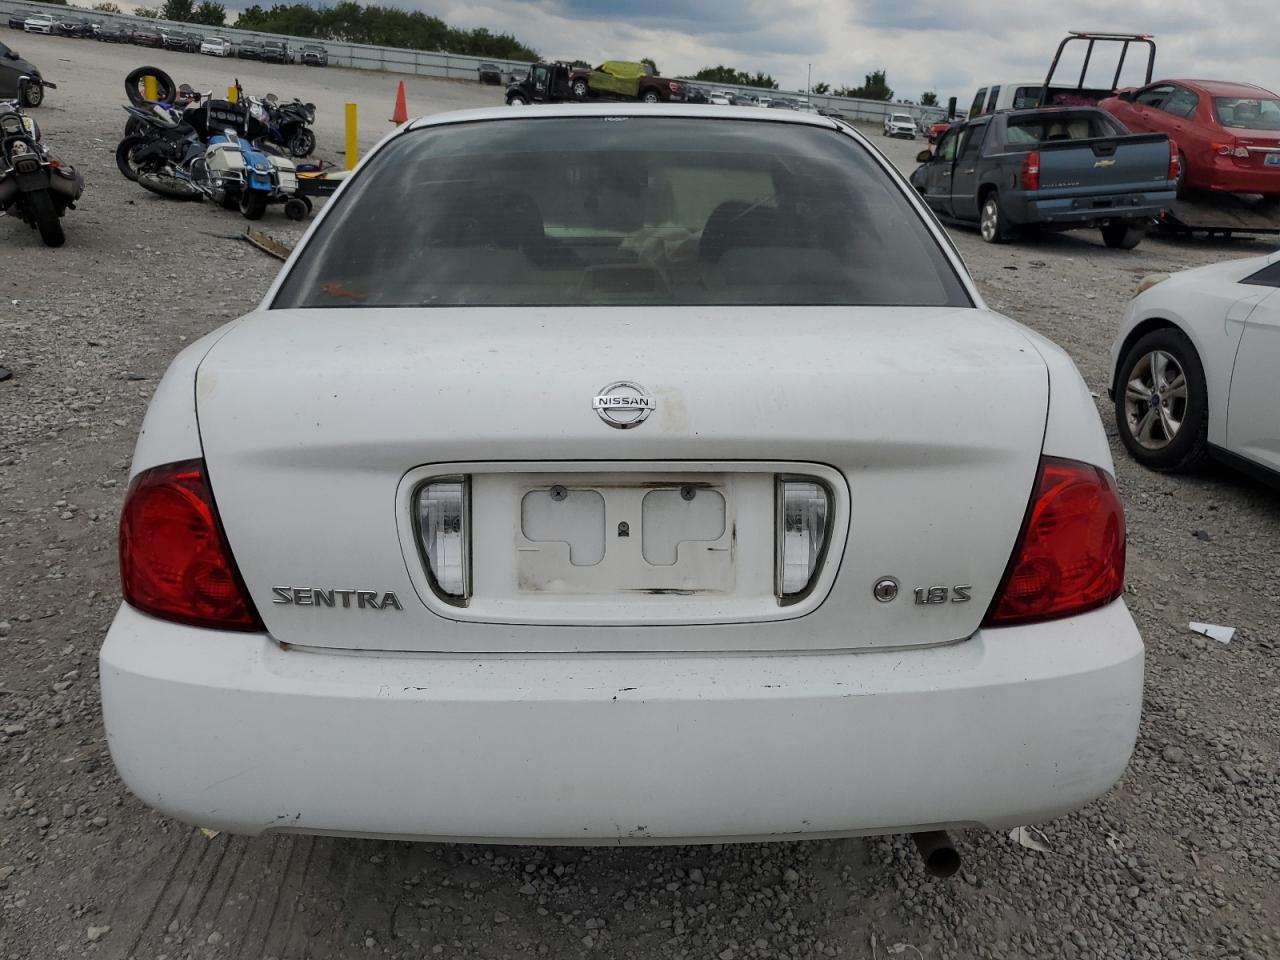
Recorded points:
1031,838
1214,632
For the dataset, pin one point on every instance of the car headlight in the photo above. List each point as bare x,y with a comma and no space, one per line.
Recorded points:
1149,281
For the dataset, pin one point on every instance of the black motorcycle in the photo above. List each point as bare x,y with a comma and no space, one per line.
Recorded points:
156,136
290,125
35,185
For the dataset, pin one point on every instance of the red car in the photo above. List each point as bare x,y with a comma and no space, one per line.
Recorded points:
1228,134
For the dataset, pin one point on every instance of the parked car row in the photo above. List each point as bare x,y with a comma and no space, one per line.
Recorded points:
167,38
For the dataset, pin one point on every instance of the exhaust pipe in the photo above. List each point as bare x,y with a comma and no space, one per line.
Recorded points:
941,858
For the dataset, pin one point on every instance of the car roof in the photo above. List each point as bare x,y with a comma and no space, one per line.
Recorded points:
679,111
1221,88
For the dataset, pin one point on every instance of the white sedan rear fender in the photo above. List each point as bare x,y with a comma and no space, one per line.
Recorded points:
235,732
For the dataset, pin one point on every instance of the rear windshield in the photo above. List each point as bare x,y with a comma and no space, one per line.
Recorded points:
1244,113
1024,98
1061,126
622,210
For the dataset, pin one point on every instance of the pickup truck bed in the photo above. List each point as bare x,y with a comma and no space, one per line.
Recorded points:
1053,168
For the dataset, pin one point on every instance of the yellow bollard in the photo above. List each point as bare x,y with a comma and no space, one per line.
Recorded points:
231,94
352,148
149,87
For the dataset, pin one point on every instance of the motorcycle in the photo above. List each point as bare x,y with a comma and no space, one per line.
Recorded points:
221,163
35,185
289,125
155,136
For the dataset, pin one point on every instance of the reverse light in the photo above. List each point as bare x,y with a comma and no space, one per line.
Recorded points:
803,508
1030,177
1230,150
1149,281
1070,555
174,560
443,512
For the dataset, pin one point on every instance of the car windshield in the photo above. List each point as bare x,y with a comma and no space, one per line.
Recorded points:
901,118
622,210
1248,113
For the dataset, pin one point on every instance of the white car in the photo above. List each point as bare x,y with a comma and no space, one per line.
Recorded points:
900,125
39,23
718,508
1195,367
719,100
216,47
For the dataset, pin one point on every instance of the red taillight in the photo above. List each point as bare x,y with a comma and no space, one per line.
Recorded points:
674,87
1031,171
174,559
1070,557
1173,159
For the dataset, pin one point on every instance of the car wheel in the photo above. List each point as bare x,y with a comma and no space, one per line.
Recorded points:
580,89
517,101
991,220
1182,174
1122,236
651,96
1162,409
32,95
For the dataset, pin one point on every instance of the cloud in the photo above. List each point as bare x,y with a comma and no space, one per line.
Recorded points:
949,46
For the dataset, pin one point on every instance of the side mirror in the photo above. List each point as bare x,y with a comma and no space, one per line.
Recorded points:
13,55
1126,95
924,156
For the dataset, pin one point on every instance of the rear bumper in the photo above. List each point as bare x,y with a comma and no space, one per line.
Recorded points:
1012,726
1091,210
1227,177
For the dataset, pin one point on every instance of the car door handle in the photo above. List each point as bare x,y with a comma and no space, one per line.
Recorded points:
970,170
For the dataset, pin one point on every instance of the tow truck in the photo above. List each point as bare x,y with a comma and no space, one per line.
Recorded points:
1222,214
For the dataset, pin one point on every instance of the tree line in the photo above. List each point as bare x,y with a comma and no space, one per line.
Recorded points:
381,26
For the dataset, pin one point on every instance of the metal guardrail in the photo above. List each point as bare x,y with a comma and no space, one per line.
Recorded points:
447,66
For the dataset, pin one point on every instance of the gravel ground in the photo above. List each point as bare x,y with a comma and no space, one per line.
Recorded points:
1178,861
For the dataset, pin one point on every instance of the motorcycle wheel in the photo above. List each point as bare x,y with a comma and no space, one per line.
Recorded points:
171,188
166,89
303,143
253,204
45,215
124,157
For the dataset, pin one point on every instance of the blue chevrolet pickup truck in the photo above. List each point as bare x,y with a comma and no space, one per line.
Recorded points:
1057,168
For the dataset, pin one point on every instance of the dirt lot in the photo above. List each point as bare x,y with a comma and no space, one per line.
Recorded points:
1178,861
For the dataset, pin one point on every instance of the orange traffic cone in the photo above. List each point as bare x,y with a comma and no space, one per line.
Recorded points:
401,112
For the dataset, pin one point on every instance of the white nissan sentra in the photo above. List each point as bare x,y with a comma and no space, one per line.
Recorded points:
622,475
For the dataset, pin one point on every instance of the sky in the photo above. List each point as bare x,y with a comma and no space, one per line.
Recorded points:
949,46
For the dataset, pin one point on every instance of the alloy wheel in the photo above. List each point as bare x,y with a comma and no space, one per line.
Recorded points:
990,220
1155,399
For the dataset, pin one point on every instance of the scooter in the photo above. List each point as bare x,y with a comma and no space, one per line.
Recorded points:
35,184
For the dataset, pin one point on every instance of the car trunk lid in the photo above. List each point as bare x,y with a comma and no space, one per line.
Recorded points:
925,424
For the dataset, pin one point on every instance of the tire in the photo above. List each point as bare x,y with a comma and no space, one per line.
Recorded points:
253,204
303,143
1174,436
517,101
1182,188
45,215
579,89
166,89
171,188
992,224
296,209
32,95
1122,236
124,160
651,96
